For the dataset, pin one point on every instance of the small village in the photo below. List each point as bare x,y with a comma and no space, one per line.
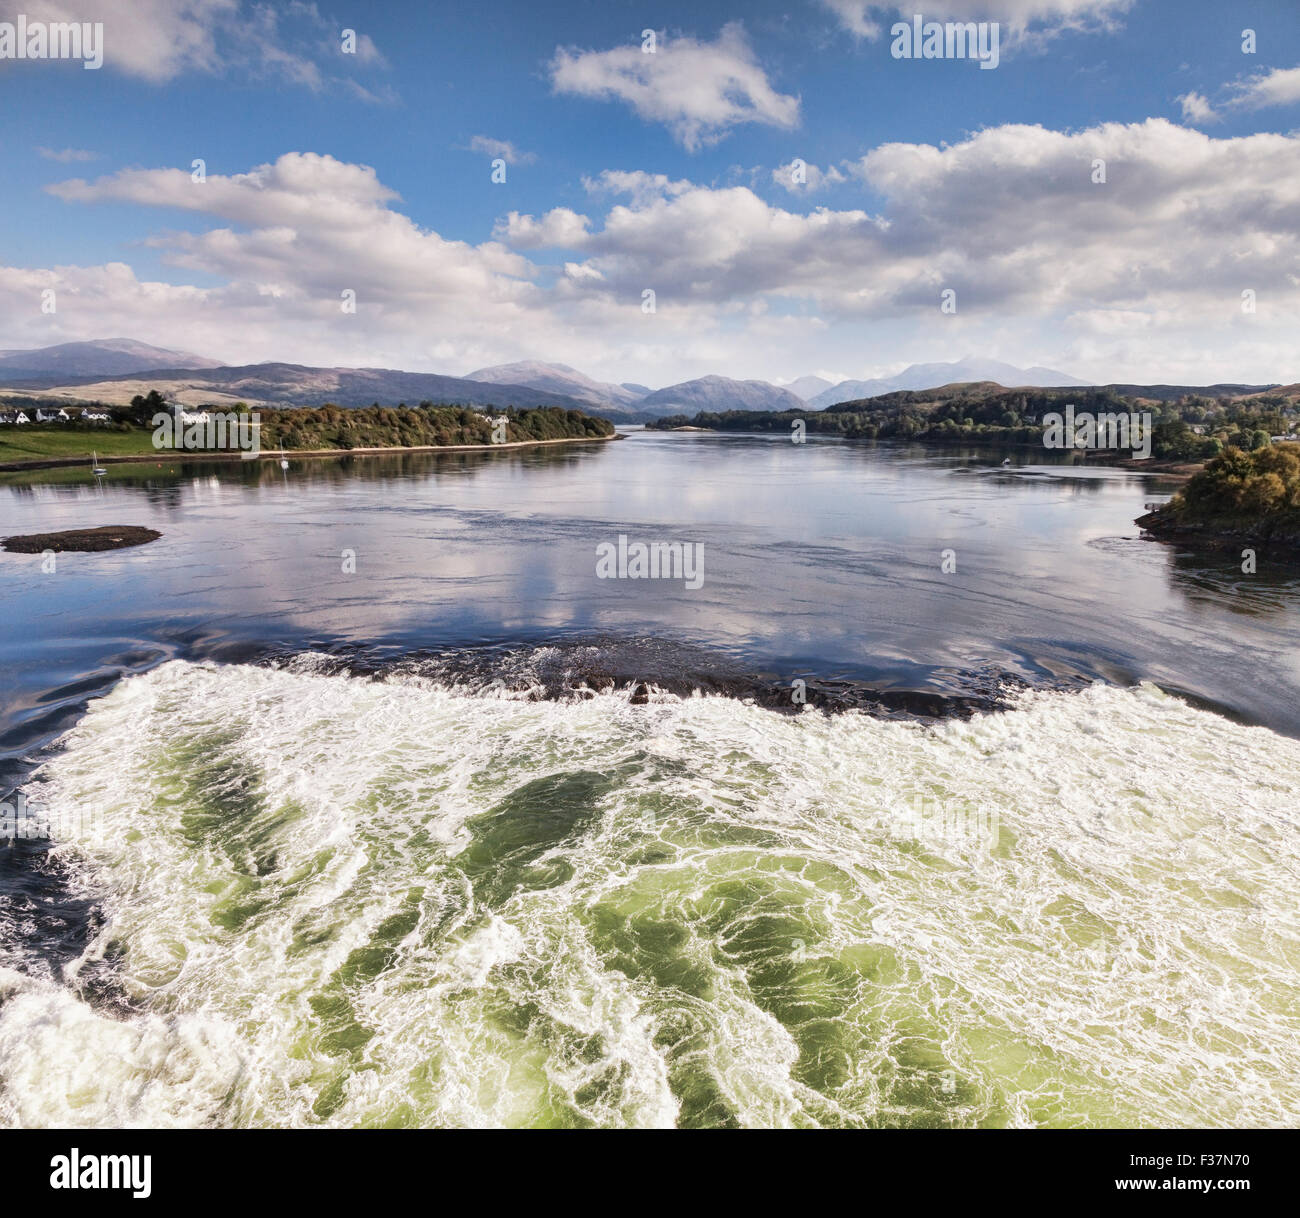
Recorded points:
93,415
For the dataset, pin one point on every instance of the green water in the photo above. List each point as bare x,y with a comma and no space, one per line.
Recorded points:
335,901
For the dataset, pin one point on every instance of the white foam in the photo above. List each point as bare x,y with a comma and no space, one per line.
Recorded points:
722,926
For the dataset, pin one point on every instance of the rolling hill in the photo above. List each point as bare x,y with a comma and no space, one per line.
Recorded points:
560,378
292,385
100,357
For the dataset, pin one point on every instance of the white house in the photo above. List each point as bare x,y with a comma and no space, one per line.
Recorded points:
52,416
94,416
14,417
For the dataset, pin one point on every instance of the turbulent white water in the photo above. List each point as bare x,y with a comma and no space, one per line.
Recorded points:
355,902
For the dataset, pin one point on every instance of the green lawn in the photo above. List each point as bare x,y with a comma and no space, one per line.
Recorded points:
33,441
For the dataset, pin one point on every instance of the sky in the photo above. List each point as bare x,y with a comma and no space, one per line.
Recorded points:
1117,199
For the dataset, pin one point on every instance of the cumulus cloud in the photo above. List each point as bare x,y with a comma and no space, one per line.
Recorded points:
155,40
1182,218
560,228
1140,276
313,226
637,183
1020,20
1280,87
282,242
300,187
159,40
800,177
1277,87
1010,219
853,16
699,90
1197,108
581,270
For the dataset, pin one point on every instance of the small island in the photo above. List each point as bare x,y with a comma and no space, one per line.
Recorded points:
83,541
1239,497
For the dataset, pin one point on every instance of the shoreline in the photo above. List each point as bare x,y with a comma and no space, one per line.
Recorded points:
1219,535
185,455
1169,468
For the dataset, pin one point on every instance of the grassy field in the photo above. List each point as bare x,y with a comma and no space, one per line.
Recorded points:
31,443
325,428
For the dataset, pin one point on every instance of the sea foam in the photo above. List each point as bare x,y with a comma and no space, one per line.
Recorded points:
338,900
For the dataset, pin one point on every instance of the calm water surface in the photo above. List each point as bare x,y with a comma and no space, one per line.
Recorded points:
822,560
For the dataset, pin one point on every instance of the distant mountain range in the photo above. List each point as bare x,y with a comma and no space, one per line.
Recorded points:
629,400
930,376
115,370
103,357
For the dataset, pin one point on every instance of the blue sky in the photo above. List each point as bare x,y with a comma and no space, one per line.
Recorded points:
372,172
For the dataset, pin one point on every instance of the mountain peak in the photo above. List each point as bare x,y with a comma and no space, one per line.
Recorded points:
931,376
559,378
99,357
720,393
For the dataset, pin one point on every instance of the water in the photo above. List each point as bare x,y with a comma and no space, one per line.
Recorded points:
327,855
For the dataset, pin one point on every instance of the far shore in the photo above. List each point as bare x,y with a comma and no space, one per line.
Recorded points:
198,454
1172,470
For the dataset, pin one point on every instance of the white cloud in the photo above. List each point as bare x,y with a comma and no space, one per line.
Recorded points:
1280,87
1183,220
65,156
1196,108
581,270
1139,278
719,248
560,228
801,177
305,188
315,226
501,148
159,40
1021,20
1277,87
1011,220
699,90
635,182
853,16
366,51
